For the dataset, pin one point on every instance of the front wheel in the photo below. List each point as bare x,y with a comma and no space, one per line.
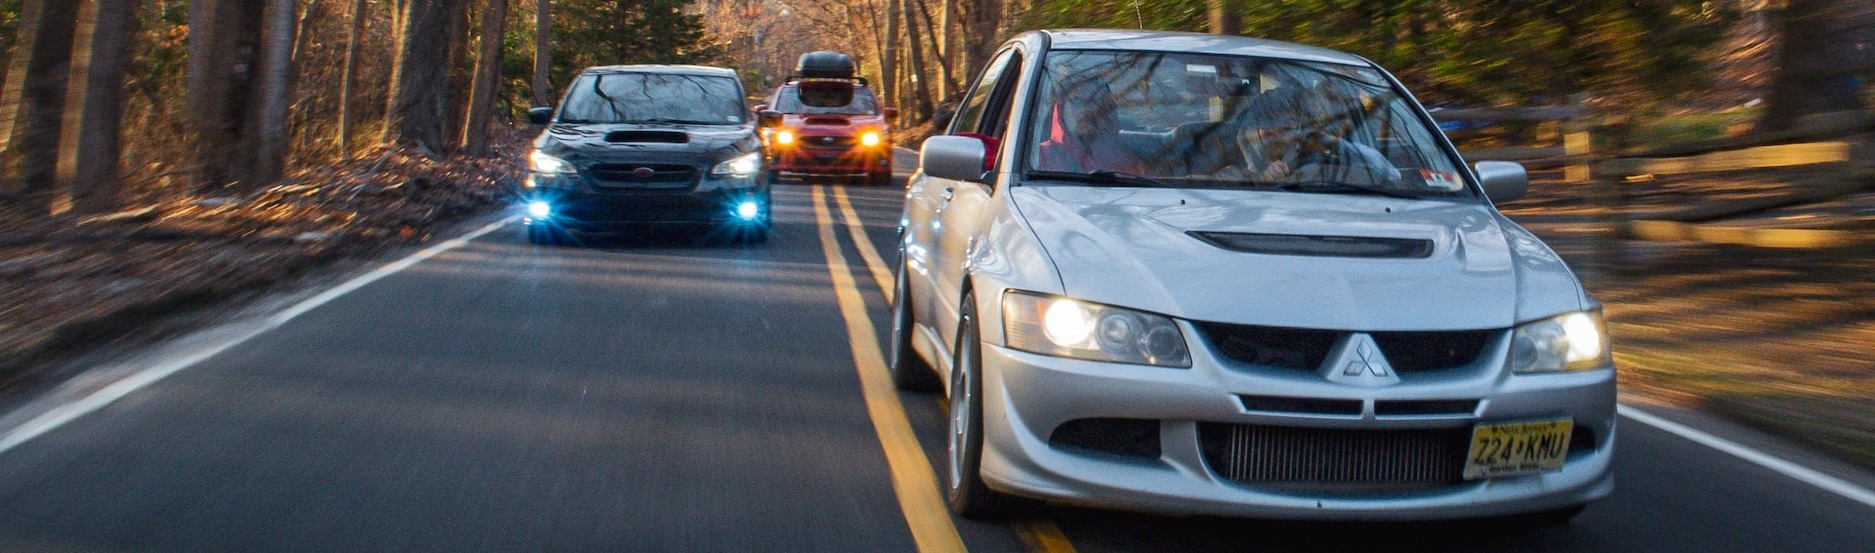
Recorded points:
909,371
964,488
883,178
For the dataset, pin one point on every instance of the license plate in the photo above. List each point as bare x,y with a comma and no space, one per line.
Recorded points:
1517,448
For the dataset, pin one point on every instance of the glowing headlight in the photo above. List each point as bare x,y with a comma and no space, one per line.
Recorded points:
543,163
1571,342
869,139
747,210
539,210
784,137
1070,328
740,166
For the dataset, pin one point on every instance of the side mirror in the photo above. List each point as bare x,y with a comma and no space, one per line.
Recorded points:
889,113
1503,180
769,118
540,116
952,157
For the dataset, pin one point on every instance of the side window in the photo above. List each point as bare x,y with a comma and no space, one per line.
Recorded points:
970,118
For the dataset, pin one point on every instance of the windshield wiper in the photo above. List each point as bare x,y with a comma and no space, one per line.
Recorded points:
1332,187
670,121
1102,178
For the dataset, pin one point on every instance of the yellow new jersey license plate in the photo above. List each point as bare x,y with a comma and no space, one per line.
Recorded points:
1517,448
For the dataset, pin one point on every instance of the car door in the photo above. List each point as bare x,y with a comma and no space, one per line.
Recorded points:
960,206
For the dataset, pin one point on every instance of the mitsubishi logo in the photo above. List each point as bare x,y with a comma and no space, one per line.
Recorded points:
1357,361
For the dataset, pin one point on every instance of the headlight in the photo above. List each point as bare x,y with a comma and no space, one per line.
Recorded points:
1571,342
740,166
543,163
1072,328
784,137
869,139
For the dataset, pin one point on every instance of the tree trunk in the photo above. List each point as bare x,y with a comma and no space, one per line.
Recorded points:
487,76
455,103
275,92
415,114
299,29
984,17
89,153
223,49
888,59
543,55
1812,79
1224,17
34,100
922,101
947,52
937,51
352,39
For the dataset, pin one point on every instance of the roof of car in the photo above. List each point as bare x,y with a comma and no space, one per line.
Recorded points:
1168,41
662,68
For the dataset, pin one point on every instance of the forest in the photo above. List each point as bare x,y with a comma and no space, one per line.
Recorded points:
114,103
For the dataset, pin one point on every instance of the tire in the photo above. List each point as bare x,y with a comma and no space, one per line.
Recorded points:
909,371
879,179
964,490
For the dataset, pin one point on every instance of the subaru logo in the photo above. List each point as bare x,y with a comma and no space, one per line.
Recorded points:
644,172
1358,362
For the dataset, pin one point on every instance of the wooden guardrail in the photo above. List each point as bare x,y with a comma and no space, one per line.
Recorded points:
1819,159
1572,150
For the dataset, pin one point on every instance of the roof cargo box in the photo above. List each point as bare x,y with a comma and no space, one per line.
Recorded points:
825,64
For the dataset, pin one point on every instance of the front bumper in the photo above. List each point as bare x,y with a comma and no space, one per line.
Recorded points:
574,205
1028,397
856,160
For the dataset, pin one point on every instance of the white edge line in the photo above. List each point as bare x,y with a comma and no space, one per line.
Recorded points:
62,414
1798,472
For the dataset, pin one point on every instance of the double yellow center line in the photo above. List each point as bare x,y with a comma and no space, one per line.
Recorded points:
913,480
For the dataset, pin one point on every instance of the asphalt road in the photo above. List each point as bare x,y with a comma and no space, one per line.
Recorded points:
650,393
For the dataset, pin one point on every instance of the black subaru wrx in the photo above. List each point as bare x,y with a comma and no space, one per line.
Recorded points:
647,144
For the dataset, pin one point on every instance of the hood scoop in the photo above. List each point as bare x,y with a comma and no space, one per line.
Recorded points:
1318,246
648,137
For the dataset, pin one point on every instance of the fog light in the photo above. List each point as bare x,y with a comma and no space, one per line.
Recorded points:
539,210
748,210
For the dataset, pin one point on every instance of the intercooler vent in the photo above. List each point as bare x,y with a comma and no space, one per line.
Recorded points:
1302,405
1318,246
1125,437
647,137
1326,460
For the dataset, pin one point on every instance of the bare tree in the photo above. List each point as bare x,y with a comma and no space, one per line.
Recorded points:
888,59
543,56
944,82
487,76
90,149
224,42
31,106
352,40
982,20
1224,17
275,92
416,113
920,84
1825,42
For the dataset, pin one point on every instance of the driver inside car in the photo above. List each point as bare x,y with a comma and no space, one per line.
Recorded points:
1307,133
1084,133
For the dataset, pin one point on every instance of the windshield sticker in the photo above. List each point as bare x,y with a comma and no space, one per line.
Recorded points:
1442,180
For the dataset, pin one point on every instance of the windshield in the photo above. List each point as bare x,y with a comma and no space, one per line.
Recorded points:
653,98
840,98
1191,120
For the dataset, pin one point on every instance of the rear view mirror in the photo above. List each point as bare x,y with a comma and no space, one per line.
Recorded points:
1503,180
889,113
540,115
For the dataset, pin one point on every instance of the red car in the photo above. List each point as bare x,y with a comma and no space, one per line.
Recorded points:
825,122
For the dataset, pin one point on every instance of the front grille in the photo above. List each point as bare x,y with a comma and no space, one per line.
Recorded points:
1126,437
1327,460
1425,407
1306,348
1293,348
1302,405
1431,351
842,142
657,175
